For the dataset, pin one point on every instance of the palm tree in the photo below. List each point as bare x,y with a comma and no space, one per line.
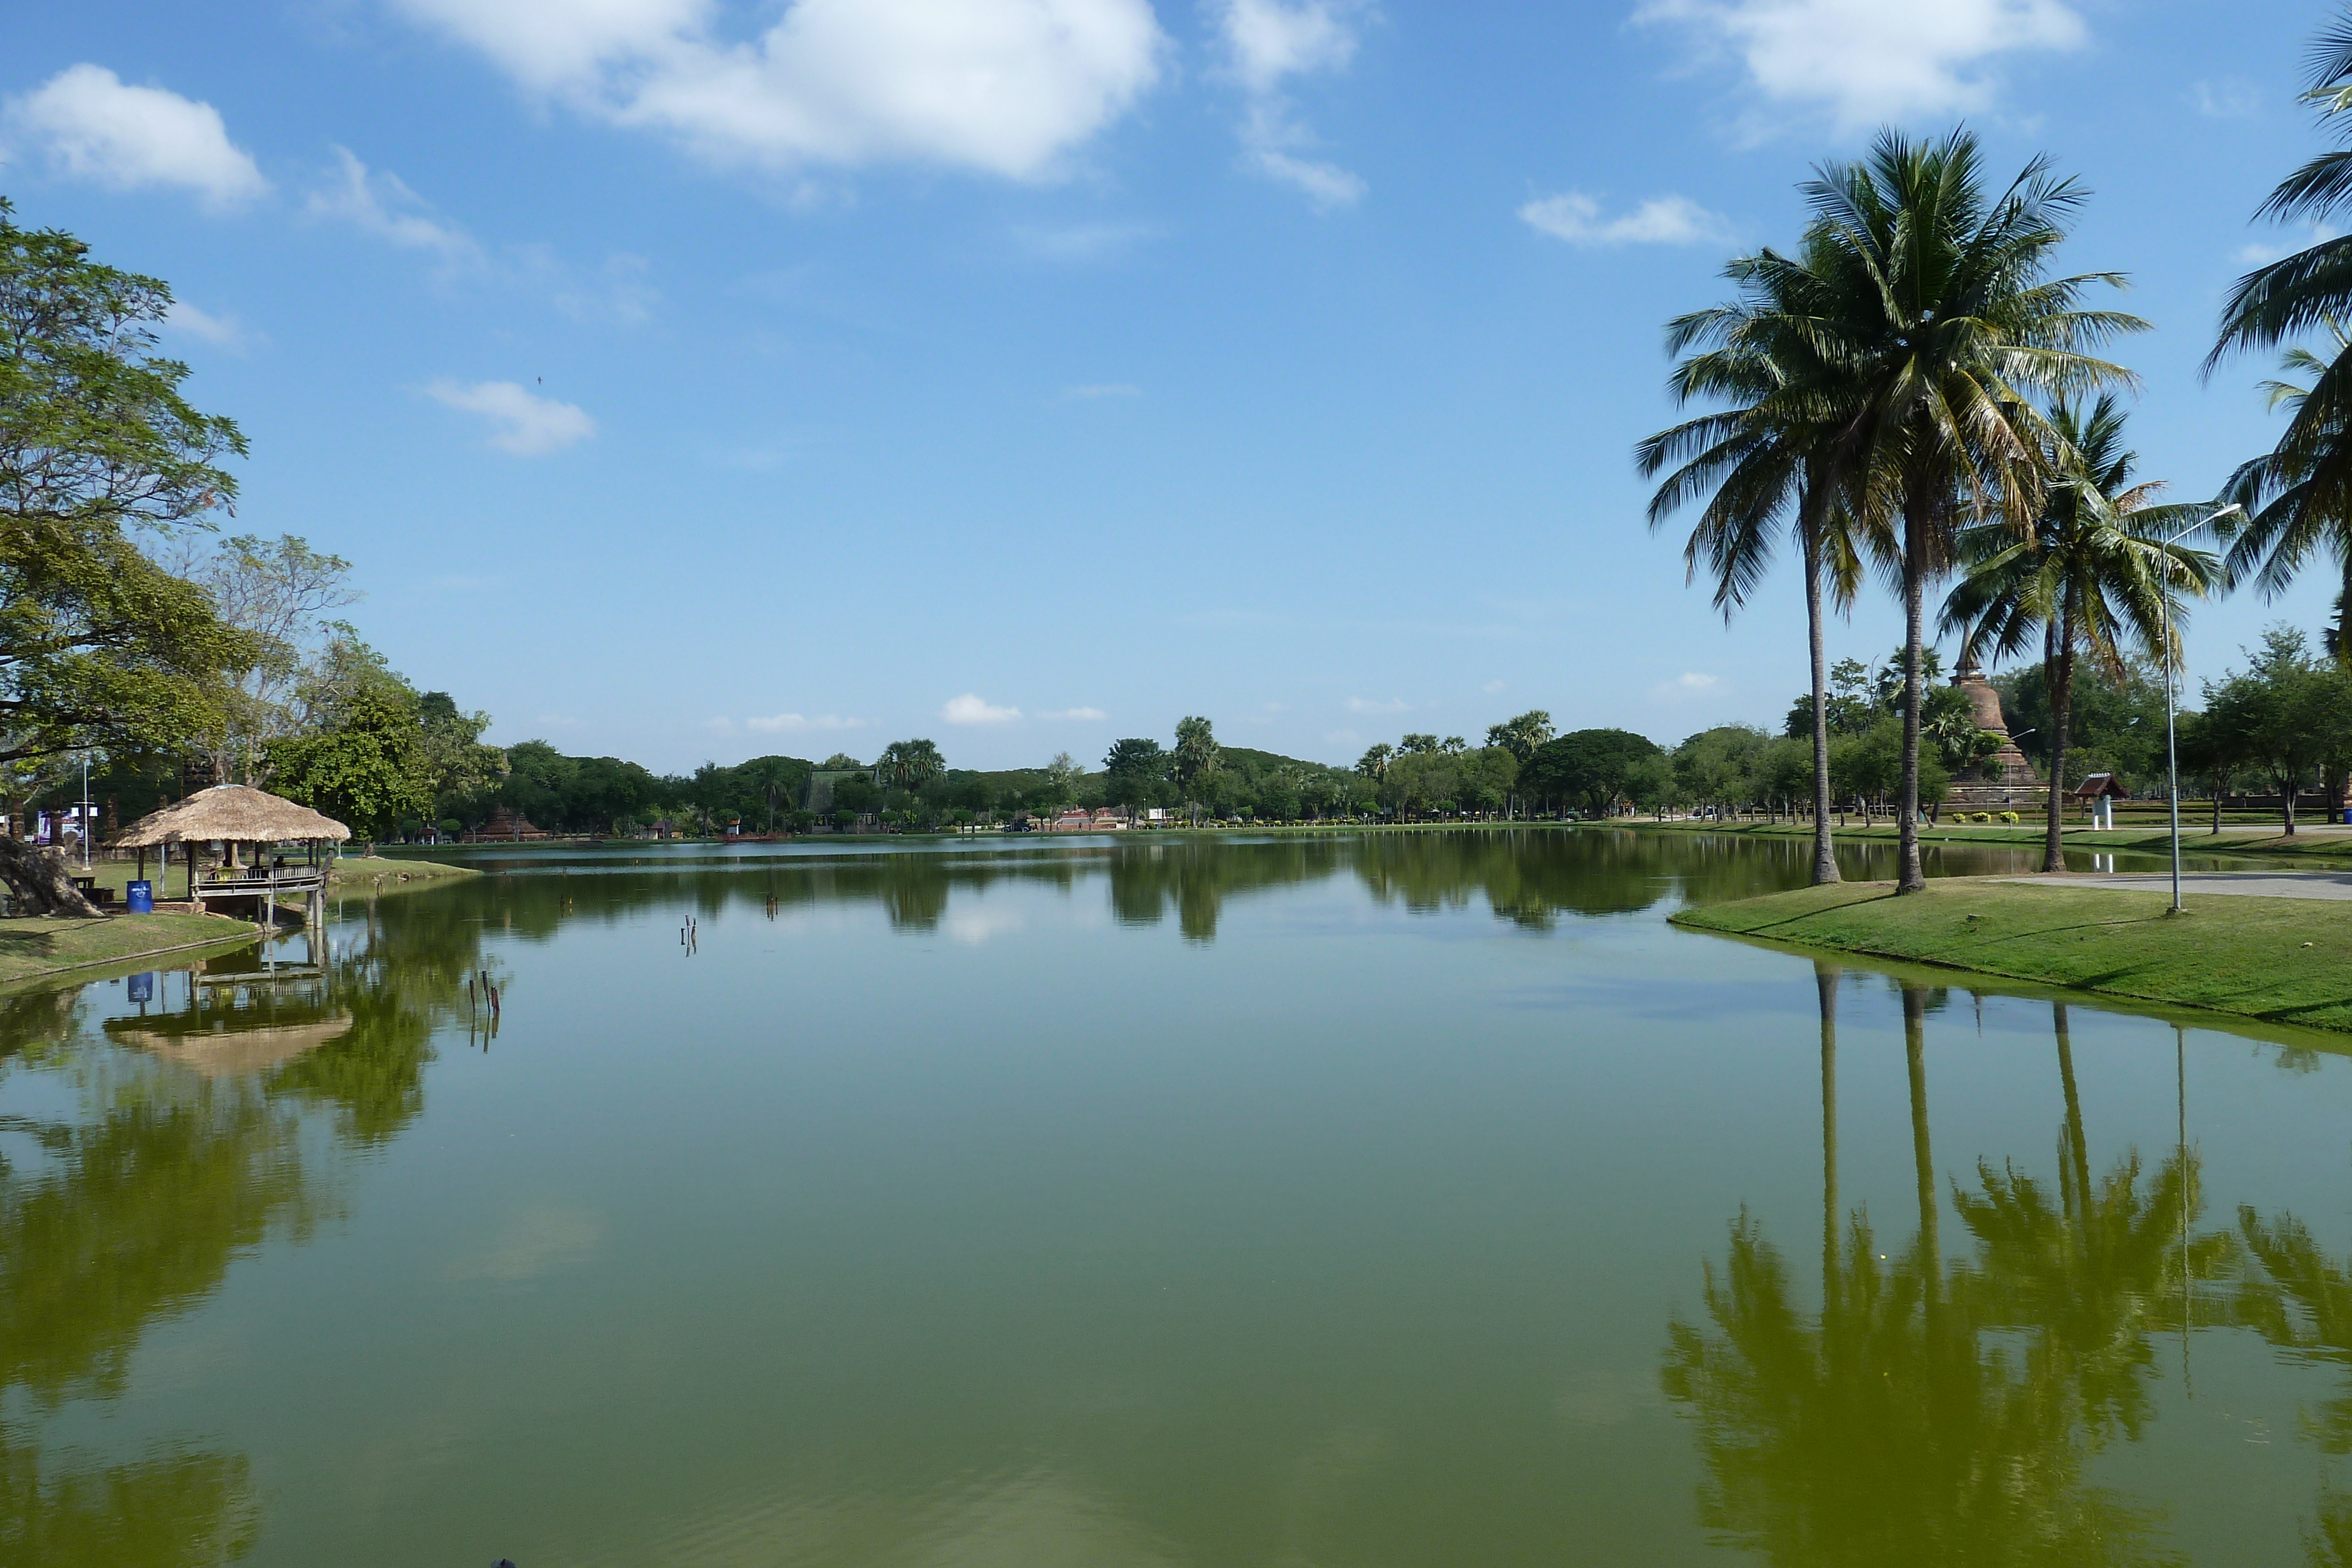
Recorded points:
1938,313
2090,574
1778,453
2298,496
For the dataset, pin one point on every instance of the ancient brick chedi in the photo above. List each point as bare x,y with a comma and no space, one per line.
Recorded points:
2006,771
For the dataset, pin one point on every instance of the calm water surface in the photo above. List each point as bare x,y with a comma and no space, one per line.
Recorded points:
1354,1200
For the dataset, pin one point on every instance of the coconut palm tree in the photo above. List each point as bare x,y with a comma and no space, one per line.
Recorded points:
1775,455
2090,576
2298,496
1940,314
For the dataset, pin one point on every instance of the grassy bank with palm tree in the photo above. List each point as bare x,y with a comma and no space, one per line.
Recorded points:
2284,960
2316,851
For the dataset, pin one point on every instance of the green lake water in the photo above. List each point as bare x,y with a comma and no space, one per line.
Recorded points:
1382,1199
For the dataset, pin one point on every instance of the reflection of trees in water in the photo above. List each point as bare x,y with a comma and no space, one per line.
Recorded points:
401,981
1532,876
174,1508
126,1218
1936,1412
132,1211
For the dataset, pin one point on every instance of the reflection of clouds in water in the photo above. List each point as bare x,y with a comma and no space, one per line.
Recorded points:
976,924
1038,1520
534,1240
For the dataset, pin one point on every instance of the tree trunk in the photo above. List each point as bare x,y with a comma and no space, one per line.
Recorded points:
42,879
1825,867
2287,787
2078,1148
1909,875
2059,675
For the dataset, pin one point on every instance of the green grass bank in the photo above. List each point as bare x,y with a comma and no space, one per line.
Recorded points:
2268,844
2283,960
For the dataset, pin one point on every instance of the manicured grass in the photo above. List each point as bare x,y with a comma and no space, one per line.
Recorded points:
2287,961
35,948
374,873
2268,844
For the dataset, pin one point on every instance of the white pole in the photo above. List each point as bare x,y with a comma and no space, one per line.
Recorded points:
2171,745
85,809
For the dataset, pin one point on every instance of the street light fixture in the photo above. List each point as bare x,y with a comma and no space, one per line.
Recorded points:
2171,743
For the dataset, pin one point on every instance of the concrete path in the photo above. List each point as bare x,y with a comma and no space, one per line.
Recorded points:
2246,884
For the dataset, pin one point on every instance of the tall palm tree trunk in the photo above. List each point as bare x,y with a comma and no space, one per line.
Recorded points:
2078,1148
2059,675
1910,877
1825,867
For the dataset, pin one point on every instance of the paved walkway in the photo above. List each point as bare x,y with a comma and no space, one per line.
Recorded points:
2245,883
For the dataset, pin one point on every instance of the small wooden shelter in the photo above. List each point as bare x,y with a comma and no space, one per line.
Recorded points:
231,815
2097,791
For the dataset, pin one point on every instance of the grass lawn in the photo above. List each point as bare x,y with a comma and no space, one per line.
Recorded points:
2286,960
35,947
374,873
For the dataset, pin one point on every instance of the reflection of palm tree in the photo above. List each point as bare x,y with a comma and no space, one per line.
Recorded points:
2096,1272
1885,1430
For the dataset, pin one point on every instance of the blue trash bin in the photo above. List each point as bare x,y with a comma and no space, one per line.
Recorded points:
140,898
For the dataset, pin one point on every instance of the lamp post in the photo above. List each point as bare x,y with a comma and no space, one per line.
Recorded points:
85,810
2171,742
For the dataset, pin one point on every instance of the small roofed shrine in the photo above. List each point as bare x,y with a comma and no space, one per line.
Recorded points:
252,826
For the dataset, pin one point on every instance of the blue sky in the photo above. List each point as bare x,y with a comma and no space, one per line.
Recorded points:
691,380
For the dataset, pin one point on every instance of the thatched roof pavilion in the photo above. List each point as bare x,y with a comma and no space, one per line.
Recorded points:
235,814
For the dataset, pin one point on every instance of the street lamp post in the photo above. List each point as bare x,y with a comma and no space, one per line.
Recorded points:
2171,742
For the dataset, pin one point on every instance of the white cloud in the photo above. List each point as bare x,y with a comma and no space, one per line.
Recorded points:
222,331
1661,220
2231,98
1688,685
526,424
2262,253
1269,40
792,723
379,203
96,127
1005,87
722,725
1394,704
969,708
1491,687
1103,390
1086,715
1266,43
1326,186
1868,61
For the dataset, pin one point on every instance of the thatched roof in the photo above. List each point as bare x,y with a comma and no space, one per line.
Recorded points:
234,811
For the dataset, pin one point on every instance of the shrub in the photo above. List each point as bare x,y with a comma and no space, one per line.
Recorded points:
2008,817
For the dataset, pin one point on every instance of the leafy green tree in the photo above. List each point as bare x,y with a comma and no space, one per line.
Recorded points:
366,769
1134,771
1785,451
909,763
1374,763
2285,716
457,765
2298,496
99,646
1521,736
1938,305
1195,754
1592,766
2089,577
